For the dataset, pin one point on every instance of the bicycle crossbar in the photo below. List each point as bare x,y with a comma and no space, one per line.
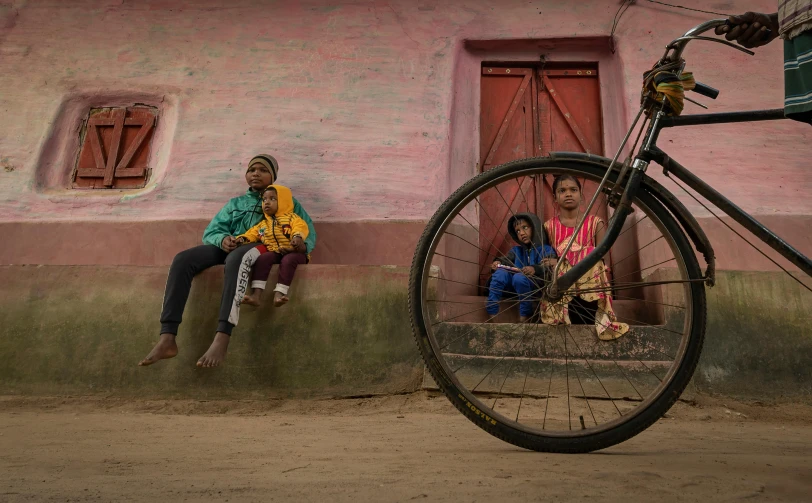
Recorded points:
723,118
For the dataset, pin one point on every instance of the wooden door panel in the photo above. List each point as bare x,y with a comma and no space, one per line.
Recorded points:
506,134
506,121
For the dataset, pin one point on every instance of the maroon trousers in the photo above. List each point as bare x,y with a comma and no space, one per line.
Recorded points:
287,268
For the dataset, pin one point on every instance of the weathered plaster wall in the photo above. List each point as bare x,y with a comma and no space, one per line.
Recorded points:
366,104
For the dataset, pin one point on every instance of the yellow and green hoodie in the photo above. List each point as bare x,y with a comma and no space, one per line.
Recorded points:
276,231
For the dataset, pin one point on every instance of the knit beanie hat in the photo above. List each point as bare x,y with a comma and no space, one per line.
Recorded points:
268,161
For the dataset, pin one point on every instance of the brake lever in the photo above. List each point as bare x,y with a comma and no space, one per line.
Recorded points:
695,102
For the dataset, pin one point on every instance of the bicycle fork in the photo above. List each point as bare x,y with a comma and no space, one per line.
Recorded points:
622,211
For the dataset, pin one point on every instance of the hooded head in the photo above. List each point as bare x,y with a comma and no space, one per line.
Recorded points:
537,239
283,200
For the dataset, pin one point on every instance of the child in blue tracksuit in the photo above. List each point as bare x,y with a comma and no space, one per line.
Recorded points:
523,268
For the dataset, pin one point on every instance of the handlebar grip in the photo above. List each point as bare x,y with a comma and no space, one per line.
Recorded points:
706,90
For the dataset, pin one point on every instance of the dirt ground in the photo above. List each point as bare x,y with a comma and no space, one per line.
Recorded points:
398,448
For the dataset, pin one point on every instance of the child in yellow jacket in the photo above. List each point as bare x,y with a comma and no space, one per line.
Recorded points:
282,233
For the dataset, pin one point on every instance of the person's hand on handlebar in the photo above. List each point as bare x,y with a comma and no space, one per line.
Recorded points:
750,29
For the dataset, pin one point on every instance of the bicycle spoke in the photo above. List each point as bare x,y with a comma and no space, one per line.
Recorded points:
502,255
583,391
498,339
526,375
457,259
485,212
470,243
620,368
646,268
547,403
637,252
476,326
652,372
593,370
635,224
502,359
619,297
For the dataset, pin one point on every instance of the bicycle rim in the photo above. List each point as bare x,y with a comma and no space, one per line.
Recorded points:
556,387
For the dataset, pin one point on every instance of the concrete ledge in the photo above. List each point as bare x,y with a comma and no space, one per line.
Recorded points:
79,330
82,329
155,243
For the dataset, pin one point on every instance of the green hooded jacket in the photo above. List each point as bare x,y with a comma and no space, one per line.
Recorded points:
243,212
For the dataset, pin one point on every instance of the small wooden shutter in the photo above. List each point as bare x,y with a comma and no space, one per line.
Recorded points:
115,148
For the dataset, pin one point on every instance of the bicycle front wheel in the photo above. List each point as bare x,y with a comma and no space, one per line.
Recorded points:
552,384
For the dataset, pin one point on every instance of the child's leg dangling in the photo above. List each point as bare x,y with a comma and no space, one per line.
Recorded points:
259,277
287,268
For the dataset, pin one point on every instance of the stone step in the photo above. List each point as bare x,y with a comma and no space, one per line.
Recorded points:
471,309
533,340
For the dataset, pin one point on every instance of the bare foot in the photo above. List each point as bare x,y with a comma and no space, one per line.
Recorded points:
279,299
164,349
252,299
216,353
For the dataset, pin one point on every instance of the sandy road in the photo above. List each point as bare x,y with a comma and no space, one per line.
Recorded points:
402,448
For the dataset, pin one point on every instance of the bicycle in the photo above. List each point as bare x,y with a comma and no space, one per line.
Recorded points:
542,387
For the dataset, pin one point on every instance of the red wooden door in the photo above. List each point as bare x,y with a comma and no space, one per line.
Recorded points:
528,112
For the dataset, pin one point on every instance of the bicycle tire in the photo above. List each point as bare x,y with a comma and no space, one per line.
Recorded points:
471,407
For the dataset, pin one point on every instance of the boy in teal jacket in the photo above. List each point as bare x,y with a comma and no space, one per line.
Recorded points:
220,247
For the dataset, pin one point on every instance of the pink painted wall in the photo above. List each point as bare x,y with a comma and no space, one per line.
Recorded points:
368,105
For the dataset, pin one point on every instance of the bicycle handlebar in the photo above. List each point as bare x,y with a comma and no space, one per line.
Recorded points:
678,45
674,50
706,90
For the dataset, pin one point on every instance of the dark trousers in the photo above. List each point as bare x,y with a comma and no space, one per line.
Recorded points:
287,268
582,312
186,265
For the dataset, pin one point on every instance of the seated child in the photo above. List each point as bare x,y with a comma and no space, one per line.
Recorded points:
522,269
282,233
593,307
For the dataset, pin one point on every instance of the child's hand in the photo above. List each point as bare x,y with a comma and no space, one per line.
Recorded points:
297,243
549,262
528,270
495,265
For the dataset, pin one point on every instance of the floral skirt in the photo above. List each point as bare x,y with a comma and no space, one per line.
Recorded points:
606,323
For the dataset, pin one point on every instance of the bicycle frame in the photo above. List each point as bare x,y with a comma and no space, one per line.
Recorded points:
648,153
